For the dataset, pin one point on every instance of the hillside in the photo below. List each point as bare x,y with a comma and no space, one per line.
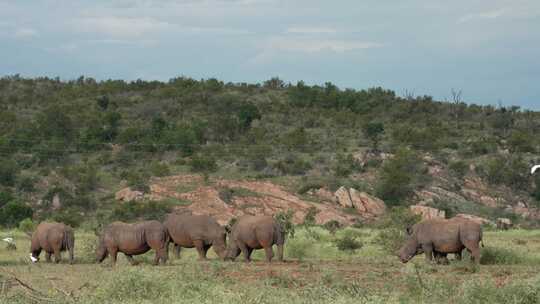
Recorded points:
68,147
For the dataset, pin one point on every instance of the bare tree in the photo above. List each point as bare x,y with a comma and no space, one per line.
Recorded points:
457,105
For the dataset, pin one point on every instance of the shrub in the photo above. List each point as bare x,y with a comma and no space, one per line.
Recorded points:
137,180
292,165
13,212
346,165
309,218
398,176
298,248
137,210
521,142
373,131
5,197
458,168
203,164
285,221
27,226
8,172
348,242
159,169
26,184
332,226
500,256
69,217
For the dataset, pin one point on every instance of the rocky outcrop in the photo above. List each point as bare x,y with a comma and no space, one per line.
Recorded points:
128,195
366,205
263,198
427,213
474,218
343,197
504,223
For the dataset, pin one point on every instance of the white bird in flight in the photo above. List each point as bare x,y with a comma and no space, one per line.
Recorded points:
534,168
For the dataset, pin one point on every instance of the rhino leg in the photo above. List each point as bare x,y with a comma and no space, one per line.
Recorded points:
57,255
48,257
428,251
131,260
177,249
201,250
269,254
474,249
246,251
280,252
114,255
458,256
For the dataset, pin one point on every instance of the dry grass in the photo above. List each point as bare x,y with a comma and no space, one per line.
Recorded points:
324,274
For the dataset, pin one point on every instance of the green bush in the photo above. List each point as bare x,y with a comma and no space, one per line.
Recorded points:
332,226
159,169
348,242
298,248
13,212
458,168
141,210
346,165
27,226
8,172
521,142
399,176
203,164
285,221
292,164
373,131
5,197
500,256
26,184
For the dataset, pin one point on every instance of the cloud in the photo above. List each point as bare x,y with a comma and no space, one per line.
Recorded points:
311,30
121,27
25,33
317,45
482,16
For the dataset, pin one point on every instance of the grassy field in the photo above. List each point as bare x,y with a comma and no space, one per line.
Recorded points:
315,271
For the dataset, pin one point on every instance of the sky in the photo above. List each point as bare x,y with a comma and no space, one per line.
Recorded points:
490,50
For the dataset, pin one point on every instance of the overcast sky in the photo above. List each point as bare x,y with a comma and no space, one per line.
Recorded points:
488,49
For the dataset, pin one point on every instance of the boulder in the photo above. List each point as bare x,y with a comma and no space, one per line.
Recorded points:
367,206
127,195
504,223
343,197
56,203
474,218
427,212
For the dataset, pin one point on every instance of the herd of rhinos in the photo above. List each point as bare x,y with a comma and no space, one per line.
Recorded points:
436,238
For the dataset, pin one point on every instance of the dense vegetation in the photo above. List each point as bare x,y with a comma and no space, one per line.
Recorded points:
79,139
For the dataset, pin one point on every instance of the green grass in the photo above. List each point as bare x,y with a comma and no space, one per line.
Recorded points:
315,271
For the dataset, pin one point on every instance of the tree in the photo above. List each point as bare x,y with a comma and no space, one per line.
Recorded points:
373,131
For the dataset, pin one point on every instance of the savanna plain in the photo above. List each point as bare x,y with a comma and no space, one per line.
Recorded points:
321,266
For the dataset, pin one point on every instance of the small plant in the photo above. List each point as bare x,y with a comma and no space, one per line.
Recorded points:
348,242
285,221
458,168
27,226
332,226
309,218
499,256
